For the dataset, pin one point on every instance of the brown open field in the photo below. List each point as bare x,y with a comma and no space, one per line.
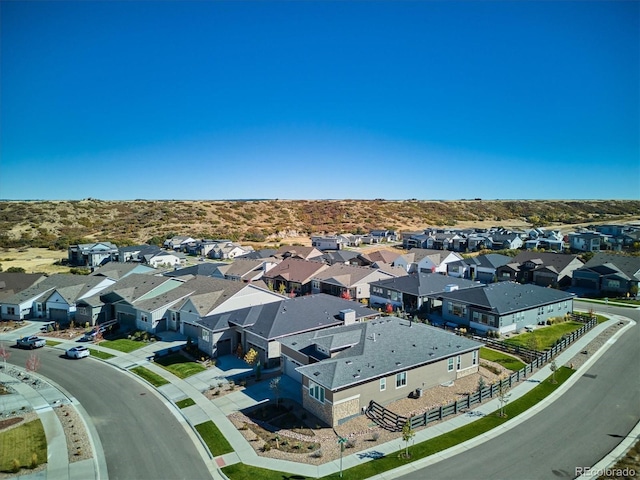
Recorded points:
50,226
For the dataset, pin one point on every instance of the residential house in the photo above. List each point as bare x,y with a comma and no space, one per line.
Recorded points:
378,256
344,368
504,307
482,268
244,270
416,293
164,259
327,242
426,260
92,254
540,268
228,251
117,271
54,298
119,301
348,257
259,254
136,253
293,276
609,274
585,241
383,236
299,251
261,327
222,296
178,242
506,241
347,281
14,282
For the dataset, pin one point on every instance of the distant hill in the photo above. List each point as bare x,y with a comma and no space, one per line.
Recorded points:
55,224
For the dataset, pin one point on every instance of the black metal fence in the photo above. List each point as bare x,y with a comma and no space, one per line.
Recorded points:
394,422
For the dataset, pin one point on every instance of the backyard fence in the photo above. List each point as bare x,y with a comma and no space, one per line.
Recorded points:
391,421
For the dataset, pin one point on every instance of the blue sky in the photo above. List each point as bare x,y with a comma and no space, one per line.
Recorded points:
312,100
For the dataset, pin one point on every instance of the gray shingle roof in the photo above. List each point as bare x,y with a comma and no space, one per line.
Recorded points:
630,266
507,297
398,346
422,284
289,316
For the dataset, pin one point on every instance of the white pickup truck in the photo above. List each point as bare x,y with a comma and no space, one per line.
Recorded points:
31,342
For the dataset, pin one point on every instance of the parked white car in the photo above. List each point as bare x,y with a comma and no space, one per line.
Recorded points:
78,352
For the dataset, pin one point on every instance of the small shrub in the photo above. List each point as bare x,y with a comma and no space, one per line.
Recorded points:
375,436
266,447
15,465
317,454
297,446
351,443
34,460
244,426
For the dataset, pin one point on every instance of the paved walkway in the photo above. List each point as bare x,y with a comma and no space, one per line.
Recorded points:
217,410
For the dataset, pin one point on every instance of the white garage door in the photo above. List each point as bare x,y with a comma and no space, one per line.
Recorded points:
290,369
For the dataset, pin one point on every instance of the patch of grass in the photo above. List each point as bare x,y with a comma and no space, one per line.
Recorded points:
21,443
122,345
601,318
52,343
180,366
218,445
151,377
547,336
507,361
187,402
241,471
100,354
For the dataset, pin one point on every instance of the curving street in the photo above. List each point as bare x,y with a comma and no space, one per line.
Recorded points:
577,430
140,436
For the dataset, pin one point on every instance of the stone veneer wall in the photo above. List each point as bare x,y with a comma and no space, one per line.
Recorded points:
466,371
345,409
321,410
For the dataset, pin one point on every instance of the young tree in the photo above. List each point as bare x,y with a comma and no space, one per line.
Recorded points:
274,385
388,308
503,397
407,434
554,367
33,362
346,294
532,342
4,354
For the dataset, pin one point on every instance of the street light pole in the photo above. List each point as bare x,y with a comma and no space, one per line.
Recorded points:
341,442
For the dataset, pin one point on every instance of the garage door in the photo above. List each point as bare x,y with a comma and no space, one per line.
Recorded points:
126,320
57,314
290,369
586,283
224,347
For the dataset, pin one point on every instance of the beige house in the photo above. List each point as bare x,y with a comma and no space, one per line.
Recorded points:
342,369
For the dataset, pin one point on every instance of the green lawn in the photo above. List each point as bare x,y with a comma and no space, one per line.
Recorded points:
52,343
100,354
241,471
21,443
122,345
547,336
187,402
218,445
507,361
151,377
179,365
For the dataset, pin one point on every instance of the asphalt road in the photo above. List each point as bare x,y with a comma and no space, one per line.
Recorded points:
140,437
577,430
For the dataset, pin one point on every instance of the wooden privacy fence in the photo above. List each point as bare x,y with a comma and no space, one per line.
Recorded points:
391,421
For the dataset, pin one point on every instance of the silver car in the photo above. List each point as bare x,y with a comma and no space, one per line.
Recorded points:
78,352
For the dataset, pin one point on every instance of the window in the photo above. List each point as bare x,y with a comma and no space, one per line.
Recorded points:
383,384
459,362
450,365
143,318
205,335
401,379
11,310
475,357
316,391
458,310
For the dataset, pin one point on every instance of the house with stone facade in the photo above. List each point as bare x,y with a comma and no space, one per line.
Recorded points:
384,359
